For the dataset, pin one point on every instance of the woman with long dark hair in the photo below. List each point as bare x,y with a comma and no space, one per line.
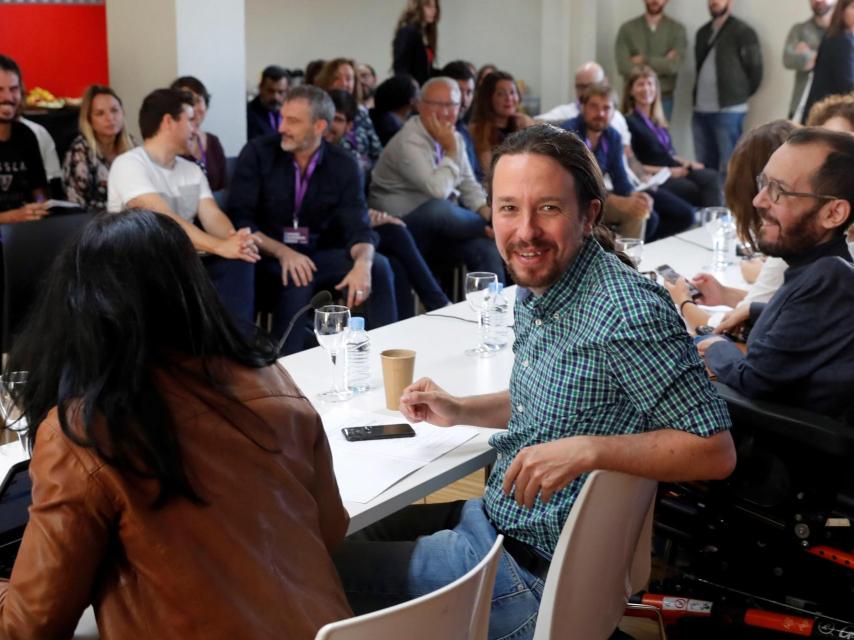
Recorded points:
182,484
495,114
833,73
414,46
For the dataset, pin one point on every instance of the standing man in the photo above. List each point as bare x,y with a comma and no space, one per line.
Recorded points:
801,50
303,199
156,177
262,112
604,377
22,177
657,41
729,70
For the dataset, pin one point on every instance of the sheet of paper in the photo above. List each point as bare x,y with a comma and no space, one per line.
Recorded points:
10,454
62,204
366,469
655,180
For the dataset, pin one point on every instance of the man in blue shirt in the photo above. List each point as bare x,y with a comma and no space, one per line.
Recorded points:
626,208
303,199
604,378
800,350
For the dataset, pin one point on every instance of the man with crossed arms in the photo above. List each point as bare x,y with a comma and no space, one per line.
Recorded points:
605,377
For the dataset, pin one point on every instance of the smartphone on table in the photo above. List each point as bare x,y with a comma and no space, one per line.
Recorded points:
378,432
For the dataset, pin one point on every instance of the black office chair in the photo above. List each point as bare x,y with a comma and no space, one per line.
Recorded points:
29,249
781,528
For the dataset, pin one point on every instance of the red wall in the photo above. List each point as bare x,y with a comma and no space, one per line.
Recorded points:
59,47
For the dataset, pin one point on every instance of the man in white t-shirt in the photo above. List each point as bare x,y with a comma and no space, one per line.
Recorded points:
154,177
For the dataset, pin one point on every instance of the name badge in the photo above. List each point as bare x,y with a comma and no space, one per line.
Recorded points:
296,235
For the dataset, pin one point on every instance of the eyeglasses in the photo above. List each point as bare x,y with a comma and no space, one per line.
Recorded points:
775,190
446,106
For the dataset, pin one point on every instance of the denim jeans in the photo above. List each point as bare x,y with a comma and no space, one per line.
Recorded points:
674,215
332,265
234,281
424,547
410,271
715,136
701,187
442,229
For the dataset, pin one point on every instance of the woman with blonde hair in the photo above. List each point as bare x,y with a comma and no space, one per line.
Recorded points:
414,45
362,139
495,114
103,136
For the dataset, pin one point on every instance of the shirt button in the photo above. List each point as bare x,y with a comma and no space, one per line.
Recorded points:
538,322
556,316
520,408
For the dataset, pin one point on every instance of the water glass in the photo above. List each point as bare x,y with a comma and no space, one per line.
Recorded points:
13,417
632,247
477,289
330,326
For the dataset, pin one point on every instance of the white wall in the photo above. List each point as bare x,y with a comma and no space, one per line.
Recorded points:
771,19
210,46
293,32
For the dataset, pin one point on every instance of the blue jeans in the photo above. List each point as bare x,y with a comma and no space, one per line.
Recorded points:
715,136
332,265
674,215
442,229
667,106
410,271
234,281
424,547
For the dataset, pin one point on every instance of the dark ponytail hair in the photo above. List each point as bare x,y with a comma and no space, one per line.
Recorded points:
127,297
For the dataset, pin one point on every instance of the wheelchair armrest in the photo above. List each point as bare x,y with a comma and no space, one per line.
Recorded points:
813,430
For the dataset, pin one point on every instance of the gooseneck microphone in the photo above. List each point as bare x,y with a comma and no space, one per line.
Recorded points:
320,299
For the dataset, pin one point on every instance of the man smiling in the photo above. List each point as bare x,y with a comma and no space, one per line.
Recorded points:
800,349
603,378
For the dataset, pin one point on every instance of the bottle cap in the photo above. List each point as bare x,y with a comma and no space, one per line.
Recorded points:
357,323
495,287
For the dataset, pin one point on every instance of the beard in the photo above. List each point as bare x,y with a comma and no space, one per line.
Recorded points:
717,14
795,241
537,279
822,10
654,8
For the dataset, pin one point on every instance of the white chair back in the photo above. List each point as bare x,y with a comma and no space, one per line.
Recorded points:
458,611
602,557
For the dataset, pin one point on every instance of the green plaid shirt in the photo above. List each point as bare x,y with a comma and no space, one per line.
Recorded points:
602,352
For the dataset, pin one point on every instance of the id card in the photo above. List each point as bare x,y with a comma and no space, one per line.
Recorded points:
296,235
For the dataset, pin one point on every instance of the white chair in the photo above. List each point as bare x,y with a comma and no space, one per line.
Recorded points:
458,611
602,558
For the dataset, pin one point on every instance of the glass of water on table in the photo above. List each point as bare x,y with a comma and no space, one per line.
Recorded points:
632,247
330,326
477,290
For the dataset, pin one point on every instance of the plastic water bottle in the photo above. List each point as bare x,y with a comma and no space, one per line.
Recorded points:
496,318
358,356
723,244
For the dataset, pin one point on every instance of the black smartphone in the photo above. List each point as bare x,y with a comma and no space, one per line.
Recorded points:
378,432
668,273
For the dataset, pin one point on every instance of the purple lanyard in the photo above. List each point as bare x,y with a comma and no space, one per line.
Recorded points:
660,132
603,146
301,184
438,154
274,119
204,159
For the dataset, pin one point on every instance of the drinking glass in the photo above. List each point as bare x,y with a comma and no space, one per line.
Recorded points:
477,288
330,327
632,247
710,219
13,418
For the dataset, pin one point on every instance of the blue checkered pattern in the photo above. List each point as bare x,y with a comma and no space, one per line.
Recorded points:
603,352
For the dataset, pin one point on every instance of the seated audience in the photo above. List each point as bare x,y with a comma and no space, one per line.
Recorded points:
495,114
50,158
833,73
653,147
205,147
636,214
800,350
424,177
394,102
395,241
24,180
484,71
747,161
148,408
262,112
368,80
103,137
303,199
834,112
340,73
414,45
312,69
462,72
156,177
604,378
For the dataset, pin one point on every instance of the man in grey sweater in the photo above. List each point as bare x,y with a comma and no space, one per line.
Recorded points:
801,49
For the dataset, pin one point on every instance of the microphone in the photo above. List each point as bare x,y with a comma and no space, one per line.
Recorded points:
320,299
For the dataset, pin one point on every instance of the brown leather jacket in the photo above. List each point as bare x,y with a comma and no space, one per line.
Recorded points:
253,563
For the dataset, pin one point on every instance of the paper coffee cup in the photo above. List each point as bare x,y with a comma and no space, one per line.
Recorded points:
398,366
